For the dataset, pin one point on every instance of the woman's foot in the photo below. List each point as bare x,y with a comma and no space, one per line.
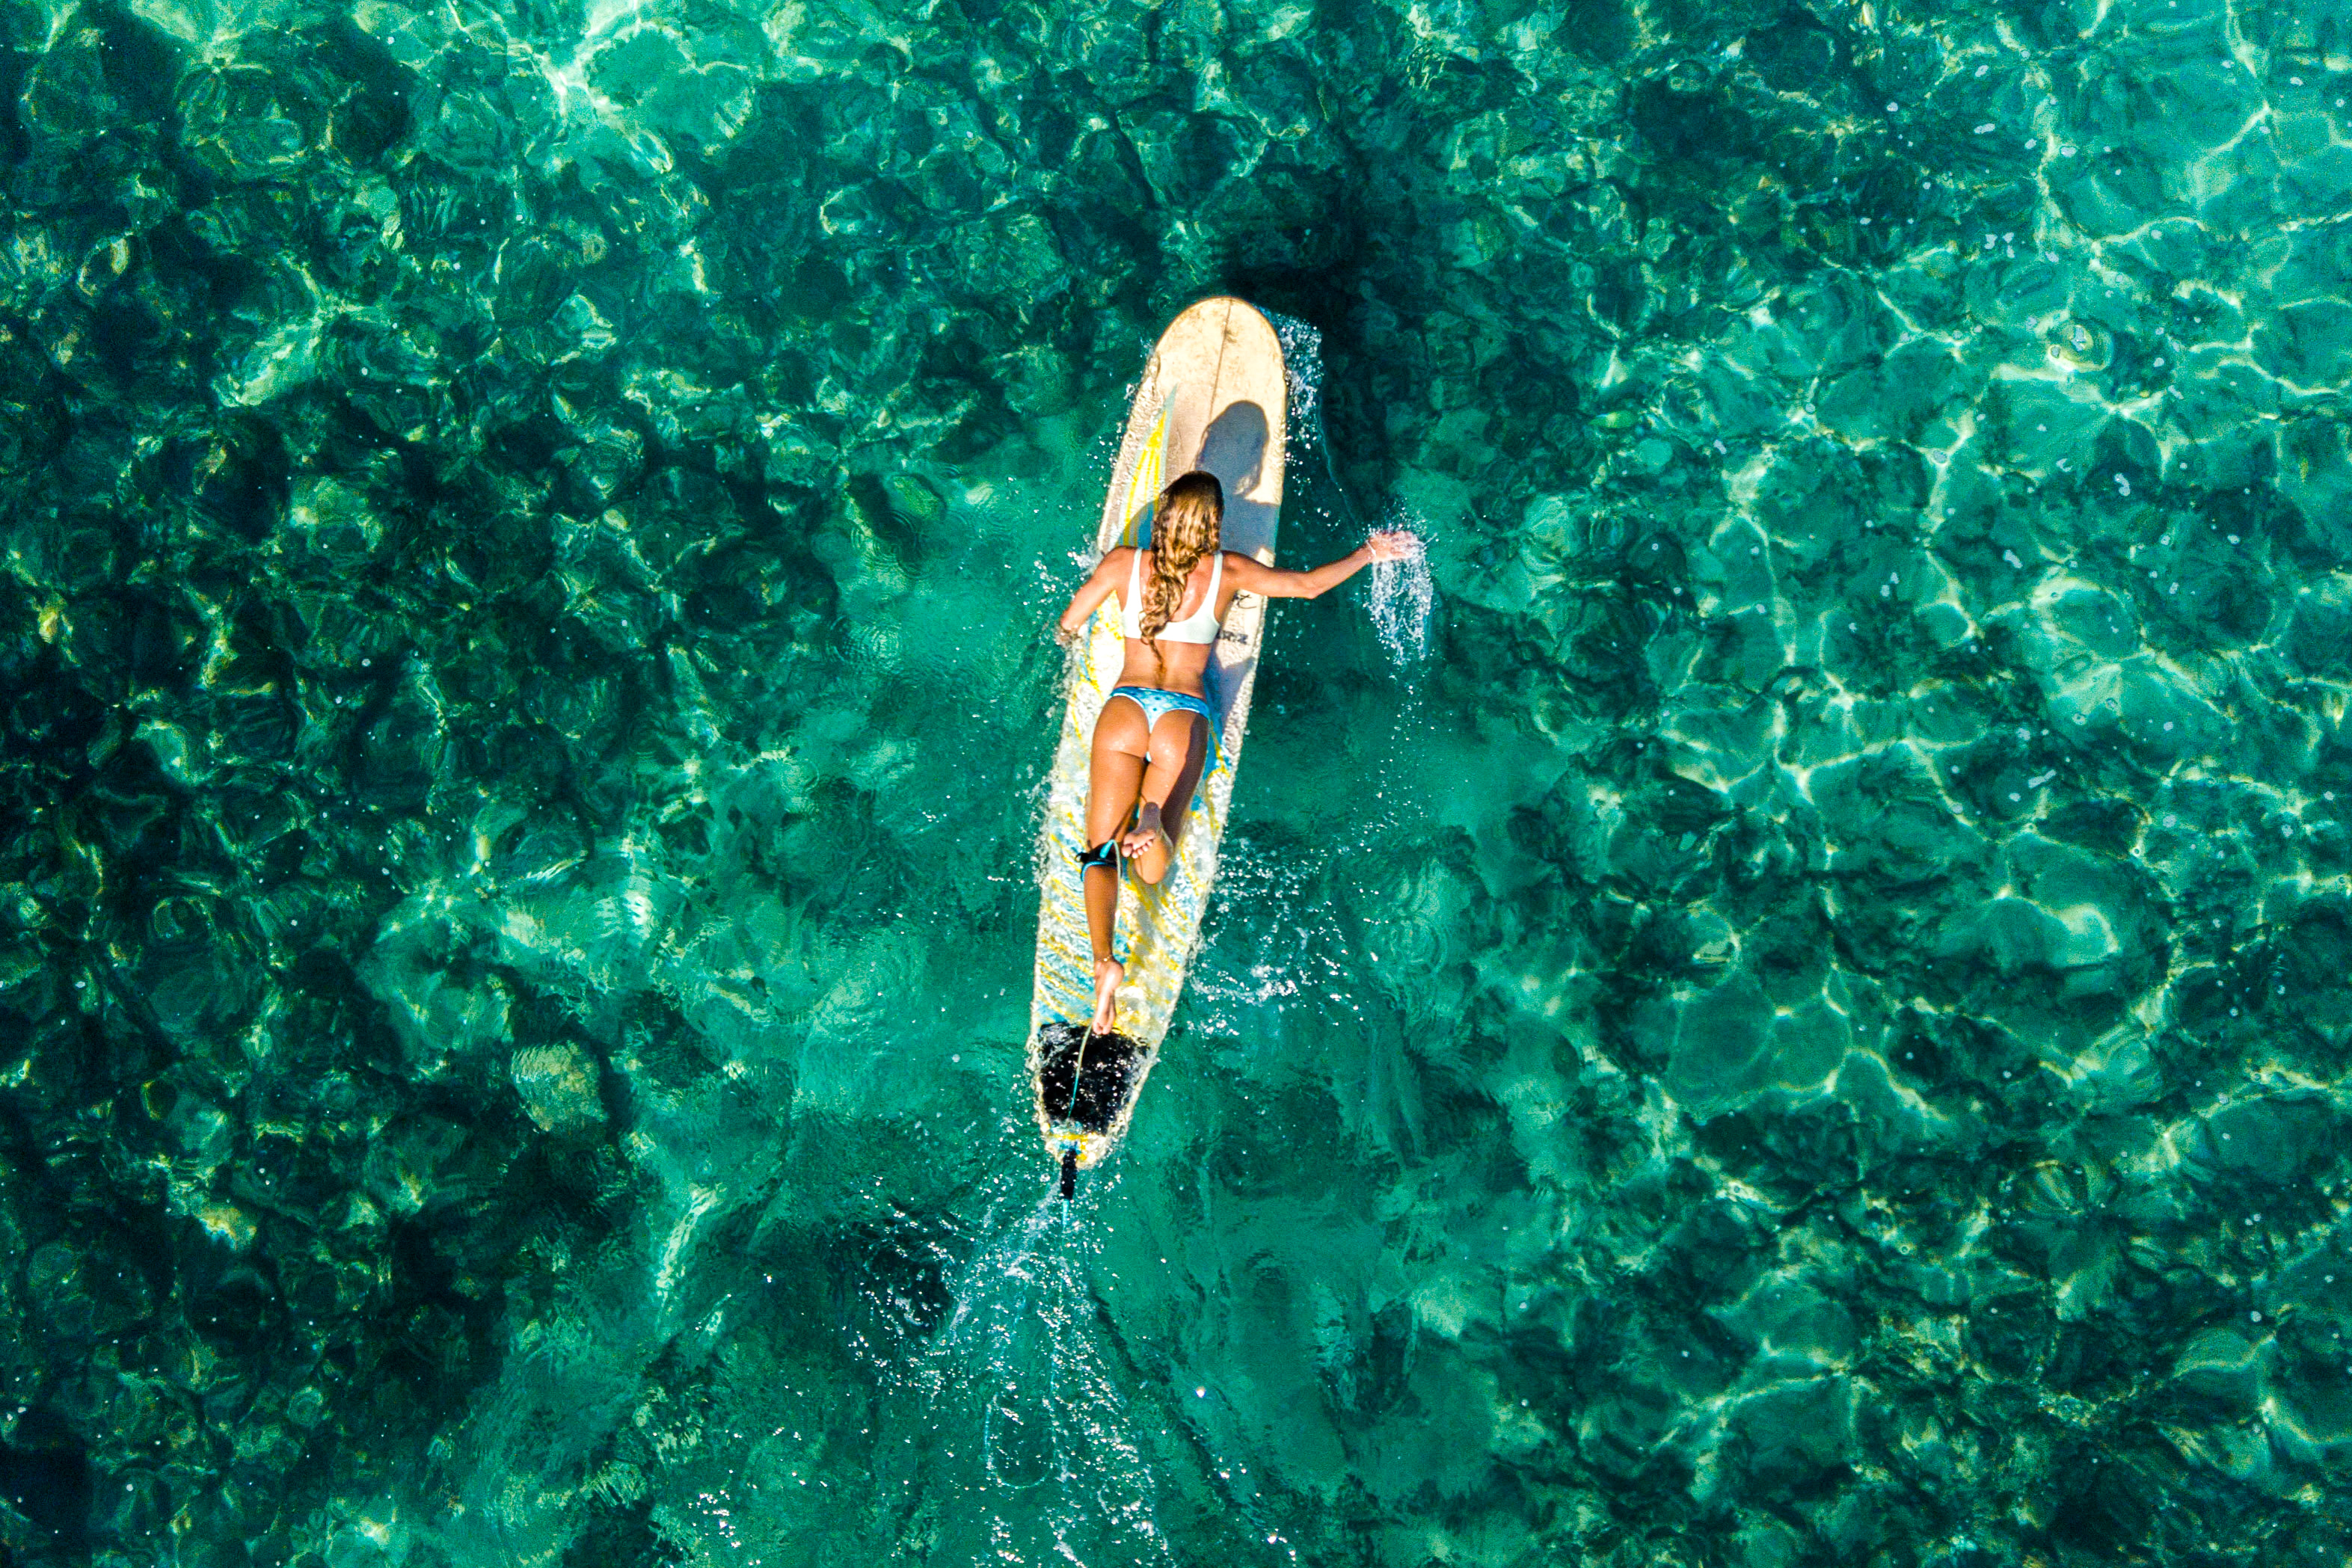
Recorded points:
1147,835
1108,973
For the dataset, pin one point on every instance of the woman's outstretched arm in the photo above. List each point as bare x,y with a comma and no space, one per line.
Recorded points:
1093,591
1392,544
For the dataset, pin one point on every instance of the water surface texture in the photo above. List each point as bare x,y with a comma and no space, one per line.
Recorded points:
1785,1006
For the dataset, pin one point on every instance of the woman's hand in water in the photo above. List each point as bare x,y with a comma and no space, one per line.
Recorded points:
1389,544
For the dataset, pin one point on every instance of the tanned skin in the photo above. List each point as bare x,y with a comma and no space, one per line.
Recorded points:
1136,771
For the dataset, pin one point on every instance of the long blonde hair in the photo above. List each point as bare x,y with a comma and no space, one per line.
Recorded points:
1185,526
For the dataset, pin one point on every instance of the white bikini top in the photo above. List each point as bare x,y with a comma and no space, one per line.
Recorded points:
1201,626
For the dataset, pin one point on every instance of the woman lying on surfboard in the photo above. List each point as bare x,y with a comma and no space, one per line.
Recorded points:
1154,731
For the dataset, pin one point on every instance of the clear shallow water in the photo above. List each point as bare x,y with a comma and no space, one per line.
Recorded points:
1805,1027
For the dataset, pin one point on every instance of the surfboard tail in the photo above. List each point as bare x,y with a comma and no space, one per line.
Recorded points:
1084,1079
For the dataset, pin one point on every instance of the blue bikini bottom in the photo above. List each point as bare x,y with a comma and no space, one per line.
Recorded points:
1157,704
1154,704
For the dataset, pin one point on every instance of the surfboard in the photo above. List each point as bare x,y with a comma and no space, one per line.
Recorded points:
1213,396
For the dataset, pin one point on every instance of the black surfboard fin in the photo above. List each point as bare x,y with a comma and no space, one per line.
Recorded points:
1069,1174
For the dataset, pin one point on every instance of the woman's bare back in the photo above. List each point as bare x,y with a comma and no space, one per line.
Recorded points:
1180,666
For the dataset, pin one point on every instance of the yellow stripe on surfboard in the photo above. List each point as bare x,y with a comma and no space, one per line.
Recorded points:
1143,486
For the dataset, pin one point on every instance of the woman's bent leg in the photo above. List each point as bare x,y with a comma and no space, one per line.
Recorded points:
1179,748
1115,771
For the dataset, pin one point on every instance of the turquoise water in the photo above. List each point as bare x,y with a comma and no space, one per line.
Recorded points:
1785,1005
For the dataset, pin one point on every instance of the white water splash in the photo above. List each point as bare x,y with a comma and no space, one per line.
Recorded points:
1025,1363
1302,365
1402,595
